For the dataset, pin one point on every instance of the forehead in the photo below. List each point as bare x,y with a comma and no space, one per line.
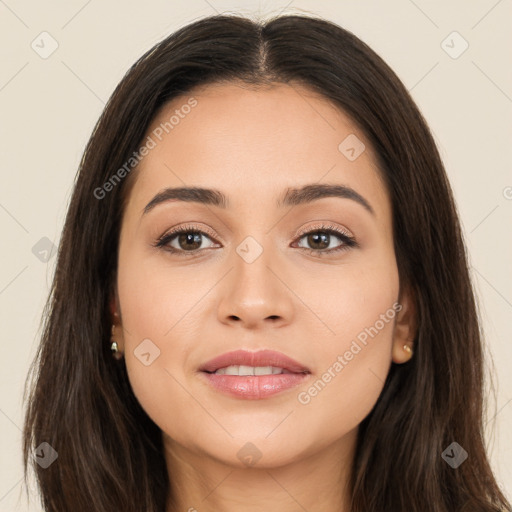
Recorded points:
254,142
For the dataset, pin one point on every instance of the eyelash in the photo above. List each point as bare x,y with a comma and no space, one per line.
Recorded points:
348,241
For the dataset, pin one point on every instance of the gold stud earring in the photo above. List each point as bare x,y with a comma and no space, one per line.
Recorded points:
408,349
115,350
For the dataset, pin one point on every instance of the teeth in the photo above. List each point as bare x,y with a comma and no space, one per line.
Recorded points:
250,370
246,370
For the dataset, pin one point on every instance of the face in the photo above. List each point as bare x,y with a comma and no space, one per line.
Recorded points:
311,276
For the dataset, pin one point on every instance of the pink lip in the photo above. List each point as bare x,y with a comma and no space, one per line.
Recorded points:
261,358
254,387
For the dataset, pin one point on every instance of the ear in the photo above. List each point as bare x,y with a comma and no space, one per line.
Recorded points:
405,327
115,318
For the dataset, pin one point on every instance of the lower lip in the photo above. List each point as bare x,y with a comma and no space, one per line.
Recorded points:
254,387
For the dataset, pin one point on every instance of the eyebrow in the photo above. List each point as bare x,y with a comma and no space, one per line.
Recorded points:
291,196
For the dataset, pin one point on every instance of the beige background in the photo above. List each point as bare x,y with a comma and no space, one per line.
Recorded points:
48,108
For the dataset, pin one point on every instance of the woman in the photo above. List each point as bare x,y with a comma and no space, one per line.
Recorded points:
263,235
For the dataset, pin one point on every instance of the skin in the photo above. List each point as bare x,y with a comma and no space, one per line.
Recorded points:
252,144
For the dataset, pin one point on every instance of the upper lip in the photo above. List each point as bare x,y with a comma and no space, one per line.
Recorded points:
260,358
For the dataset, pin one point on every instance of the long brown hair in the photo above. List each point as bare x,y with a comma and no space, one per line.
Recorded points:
110,453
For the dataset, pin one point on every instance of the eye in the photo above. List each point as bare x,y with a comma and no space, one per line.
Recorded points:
320,240
182,240
189,239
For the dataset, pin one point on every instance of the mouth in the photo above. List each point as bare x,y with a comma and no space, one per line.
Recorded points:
244,362
253,375
243,370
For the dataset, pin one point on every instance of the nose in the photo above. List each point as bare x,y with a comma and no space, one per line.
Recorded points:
255,295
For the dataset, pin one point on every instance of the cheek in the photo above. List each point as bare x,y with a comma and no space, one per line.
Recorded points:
154,314
349,381
358,309
156,298
350,299
345,393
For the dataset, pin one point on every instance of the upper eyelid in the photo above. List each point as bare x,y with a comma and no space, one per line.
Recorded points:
325,226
